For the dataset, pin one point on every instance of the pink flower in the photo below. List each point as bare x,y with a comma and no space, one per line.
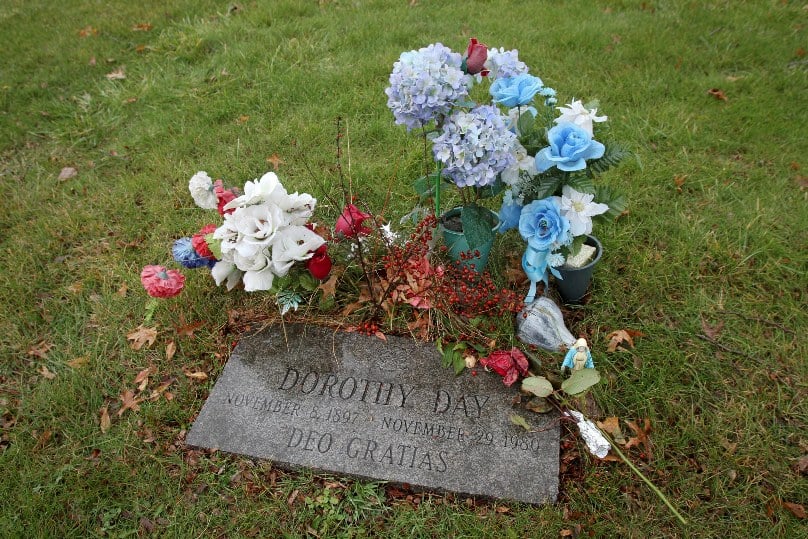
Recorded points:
160,282
200,244
349,224
319,265
223,196
475,57
507,363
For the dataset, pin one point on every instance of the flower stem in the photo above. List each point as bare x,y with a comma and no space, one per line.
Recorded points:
151,306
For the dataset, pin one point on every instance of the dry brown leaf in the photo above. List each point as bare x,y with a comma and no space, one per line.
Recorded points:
381,336
67,173
88,31
611,425
617,338
801,466
46,373
161,389
171,349
142,378
292,497
244,118
122,290
718,94
78,362
40,349
141,336
195,375
679,181
188,329
142,27
795,509
641,437
105,421
274,160
130,402
712,331
329,287
118,74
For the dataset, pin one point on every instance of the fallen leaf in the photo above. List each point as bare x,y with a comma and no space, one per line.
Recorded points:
195,375
291,499
118,74
161,389
76,287
188,329
244,118
142,378
611,426
711,331
519,421
679,181
130,402
67,173
44,438
88,31
78,362
796,509
801,466
46,373
142,336
329,287
617,338
641,437
799,53
128,101
105,421
381,336
142,27
40,349
718,94
171,349
274,160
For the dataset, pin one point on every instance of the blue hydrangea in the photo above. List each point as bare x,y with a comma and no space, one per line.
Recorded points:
475,146
185,254
502,63
426,84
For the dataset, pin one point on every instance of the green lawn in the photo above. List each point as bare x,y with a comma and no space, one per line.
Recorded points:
710,263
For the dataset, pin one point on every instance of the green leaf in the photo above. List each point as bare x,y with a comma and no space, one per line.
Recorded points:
519,421
580,381
448,356
214,245
538,385
459,363
308,282
577,243
539,405
476,226
547,187
582,183
617,202
525,123
491,190
425,186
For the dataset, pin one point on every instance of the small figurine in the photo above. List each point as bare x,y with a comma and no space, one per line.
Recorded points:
578,357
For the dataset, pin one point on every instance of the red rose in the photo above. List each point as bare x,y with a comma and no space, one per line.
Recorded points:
224,196
507,363
475,57
349,224
200,244
319,265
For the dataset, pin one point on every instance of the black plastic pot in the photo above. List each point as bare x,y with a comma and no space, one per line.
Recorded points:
576,281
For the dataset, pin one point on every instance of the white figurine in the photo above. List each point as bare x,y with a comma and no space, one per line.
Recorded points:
578,357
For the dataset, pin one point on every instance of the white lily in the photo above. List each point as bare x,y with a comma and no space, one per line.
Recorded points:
579,209
579,115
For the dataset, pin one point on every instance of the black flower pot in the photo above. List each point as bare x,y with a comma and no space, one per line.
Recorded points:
575,282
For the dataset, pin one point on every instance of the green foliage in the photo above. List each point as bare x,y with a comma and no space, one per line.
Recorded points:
476,225
538,385
612,157
580,381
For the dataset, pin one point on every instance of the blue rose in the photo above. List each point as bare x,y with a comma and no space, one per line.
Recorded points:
509,216
542,225
185,254
570,147
515,91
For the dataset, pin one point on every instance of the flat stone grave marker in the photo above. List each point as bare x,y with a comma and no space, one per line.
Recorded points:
308,396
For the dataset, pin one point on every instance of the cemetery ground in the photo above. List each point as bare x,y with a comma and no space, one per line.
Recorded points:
107,109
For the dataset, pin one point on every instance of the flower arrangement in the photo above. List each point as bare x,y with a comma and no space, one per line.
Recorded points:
543,165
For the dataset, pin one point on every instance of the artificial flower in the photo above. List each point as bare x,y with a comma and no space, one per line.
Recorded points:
349,223
223,197
319,265
225,270
542,226
293,244
509,216
201,188
258,191
502,63
258,274
579,115
515,91
200,243
184,253
160,282
570,147
579,209
475,57
509,364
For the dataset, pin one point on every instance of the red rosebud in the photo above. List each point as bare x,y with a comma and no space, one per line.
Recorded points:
349,224
319,265
509,364
224,196
475,57
200,244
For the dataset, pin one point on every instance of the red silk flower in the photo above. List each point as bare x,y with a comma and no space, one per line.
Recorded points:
160,282
475,57
199,243
507,363
349,224
224,196
319,265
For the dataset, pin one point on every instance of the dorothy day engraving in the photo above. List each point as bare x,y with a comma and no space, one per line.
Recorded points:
345,403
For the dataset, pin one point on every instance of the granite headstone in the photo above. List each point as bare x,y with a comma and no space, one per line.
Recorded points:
345,403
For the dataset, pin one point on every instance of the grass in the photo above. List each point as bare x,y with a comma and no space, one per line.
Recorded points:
218,88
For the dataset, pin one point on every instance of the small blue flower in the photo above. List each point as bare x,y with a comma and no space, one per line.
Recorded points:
542,226
570,147
515,91
185,254
509,216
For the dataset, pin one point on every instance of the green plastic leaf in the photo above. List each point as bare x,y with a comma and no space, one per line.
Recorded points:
308,282
448,356
538,385
491,190
547,187
214,245
525,123
617,202
459,363
476,226
577,243
580,381
581,183
425,186
519,421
